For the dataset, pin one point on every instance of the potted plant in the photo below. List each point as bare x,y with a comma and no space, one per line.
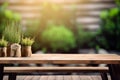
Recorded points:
12,34
26,47
3,49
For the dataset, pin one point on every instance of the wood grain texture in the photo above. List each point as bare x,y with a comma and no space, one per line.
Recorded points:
51,78
74,77
67,78
59,77
44,78
20,77
28,78
54,69
83,77
36,78
94,77
64,59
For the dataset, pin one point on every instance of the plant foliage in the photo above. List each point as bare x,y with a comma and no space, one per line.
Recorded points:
12,33
7,17
58,38
27,42
85,38
3,42
109,34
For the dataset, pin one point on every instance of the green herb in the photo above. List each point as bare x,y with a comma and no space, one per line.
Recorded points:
3,43
27,42
12,33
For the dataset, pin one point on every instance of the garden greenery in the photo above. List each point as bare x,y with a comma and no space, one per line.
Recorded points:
33,33
109,34
51,13
12,33
27,42
85,38
3,42
58,38
7,17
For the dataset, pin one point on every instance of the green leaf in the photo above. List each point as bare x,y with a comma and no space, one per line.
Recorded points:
113,12
104,14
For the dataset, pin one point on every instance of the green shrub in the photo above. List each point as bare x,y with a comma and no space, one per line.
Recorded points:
8,15
84,38
109,33
3,43
27,42
51,13
58,38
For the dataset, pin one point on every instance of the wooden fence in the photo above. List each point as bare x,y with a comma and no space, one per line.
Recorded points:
87,11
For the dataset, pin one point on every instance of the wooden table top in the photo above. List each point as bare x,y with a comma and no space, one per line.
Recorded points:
64,59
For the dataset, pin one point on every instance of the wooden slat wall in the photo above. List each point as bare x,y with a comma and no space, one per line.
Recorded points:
87,11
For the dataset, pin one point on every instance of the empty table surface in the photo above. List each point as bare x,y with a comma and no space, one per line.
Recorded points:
64,59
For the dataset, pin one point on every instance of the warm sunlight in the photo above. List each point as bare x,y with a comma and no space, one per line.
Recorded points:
59,39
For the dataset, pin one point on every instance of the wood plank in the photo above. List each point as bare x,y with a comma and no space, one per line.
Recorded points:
67,7
87,20
96,77
36,78
30,16
28,78
65,59
59,77
91,27
72,77
82,20
89,6
18,2
26,15
75,77
67,77
55,69
5,78
44,78
86,8
85,77
36,15
21,77
51,78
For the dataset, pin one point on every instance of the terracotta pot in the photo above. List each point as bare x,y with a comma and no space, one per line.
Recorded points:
15,50
26,51
8,50
3,51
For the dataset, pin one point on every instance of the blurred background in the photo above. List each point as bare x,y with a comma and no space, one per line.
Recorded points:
63,26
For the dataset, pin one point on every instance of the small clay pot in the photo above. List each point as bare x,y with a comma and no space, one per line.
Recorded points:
15,50
9,50
26,51
3,51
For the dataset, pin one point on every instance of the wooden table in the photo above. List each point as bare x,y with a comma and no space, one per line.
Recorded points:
112,60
